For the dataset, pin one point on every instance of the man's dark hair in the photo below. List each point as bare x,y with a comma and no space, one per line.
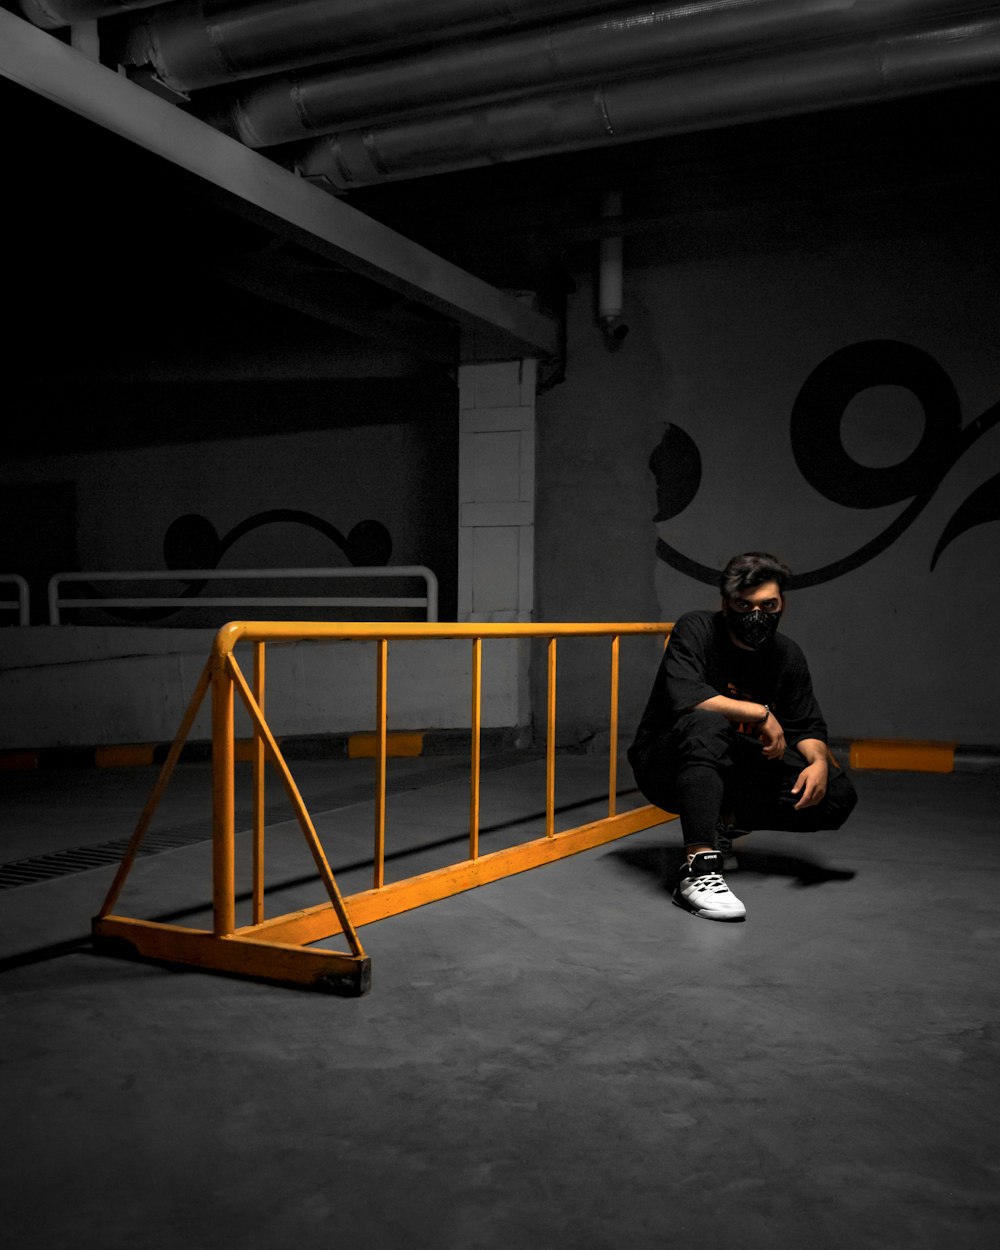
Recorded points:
751,569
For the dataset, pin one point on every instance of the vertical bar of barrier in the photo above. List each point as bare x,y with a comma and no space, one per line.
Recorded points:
613,761
259,673
223,800
380,715
477,708
550,746
292,790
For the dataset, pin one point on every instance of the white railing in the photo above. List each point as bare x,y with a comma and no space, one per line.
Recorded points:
20,605
428,601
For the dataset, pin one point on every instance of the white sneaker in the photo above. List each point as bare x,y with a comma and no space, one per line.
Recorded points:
702,891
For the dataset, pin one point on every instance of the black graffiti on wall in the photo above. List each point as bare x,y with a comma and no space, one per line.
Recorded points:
192,543
823,461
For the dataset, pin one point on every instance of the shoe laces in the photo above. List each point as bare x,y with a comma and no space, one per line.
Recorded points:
710,883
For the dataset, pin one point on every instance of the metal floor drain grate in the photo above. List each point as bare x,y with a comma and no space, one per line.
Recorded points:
81,858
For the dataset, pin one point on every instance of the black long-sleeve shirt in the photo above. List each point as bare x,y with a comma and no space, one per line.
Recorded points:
701,661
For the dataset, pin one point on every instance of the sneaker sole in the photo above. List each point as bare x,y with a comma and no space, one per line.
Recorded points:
706,915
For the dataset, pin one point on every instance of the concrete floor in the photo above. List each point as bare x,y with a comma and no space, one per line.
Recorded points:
562,1059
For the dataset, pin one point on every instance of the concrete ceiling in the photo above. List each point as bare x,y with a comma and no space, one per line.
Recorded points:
150,244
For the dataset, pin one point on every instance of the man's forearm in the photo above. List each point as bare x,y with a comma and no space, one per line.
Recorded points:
812,749
738,711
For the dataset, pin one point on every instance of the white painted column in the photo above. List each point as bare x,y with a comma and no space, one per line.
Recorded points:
496,517
496,482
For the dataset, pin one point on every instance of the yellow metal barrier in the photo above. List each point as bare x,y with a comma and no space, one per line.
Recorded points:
279,949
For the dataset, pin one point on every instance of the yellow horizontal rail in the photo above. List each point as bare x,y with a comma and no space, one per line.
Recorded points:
303,631
279,948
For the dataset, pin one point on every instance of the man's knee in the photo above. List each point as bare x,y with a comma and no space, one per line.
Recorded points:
763,809
841,800
696,740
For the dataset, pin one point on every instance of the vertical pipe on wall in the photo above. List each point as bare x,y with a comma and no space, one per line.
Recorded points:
610,276
86,39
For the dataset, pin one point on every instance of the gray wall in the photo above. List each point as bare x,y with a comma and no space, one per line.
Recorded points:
722,341
316,454
727,321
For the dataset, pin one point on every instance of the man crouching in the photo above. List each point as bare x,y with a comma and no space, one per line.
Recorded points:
732,738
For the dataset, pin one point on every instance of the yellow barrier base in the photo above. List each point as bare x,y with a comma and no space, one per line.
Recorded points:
333,972
279,950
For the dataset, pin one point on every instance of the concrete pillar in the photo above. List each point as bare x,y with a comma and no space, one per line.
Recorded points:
496,479
496,536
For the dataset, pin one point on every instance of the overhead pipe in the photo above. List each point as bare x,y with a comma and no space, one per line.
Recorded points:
194,44
886,67
607,46
55,14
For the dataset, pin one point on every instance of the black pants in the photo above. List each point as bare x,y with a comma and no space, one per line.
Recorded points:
704,767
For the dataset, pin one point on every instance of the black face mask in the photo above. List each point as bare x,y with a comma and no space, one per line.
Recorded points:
754,628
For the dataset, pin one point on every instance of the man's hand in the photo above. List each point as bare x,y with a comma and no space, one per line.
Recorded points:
772,736
811,781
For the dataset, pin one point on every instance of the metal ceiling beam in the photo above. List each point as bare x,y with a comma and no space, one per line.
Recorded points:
296,288
271,194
